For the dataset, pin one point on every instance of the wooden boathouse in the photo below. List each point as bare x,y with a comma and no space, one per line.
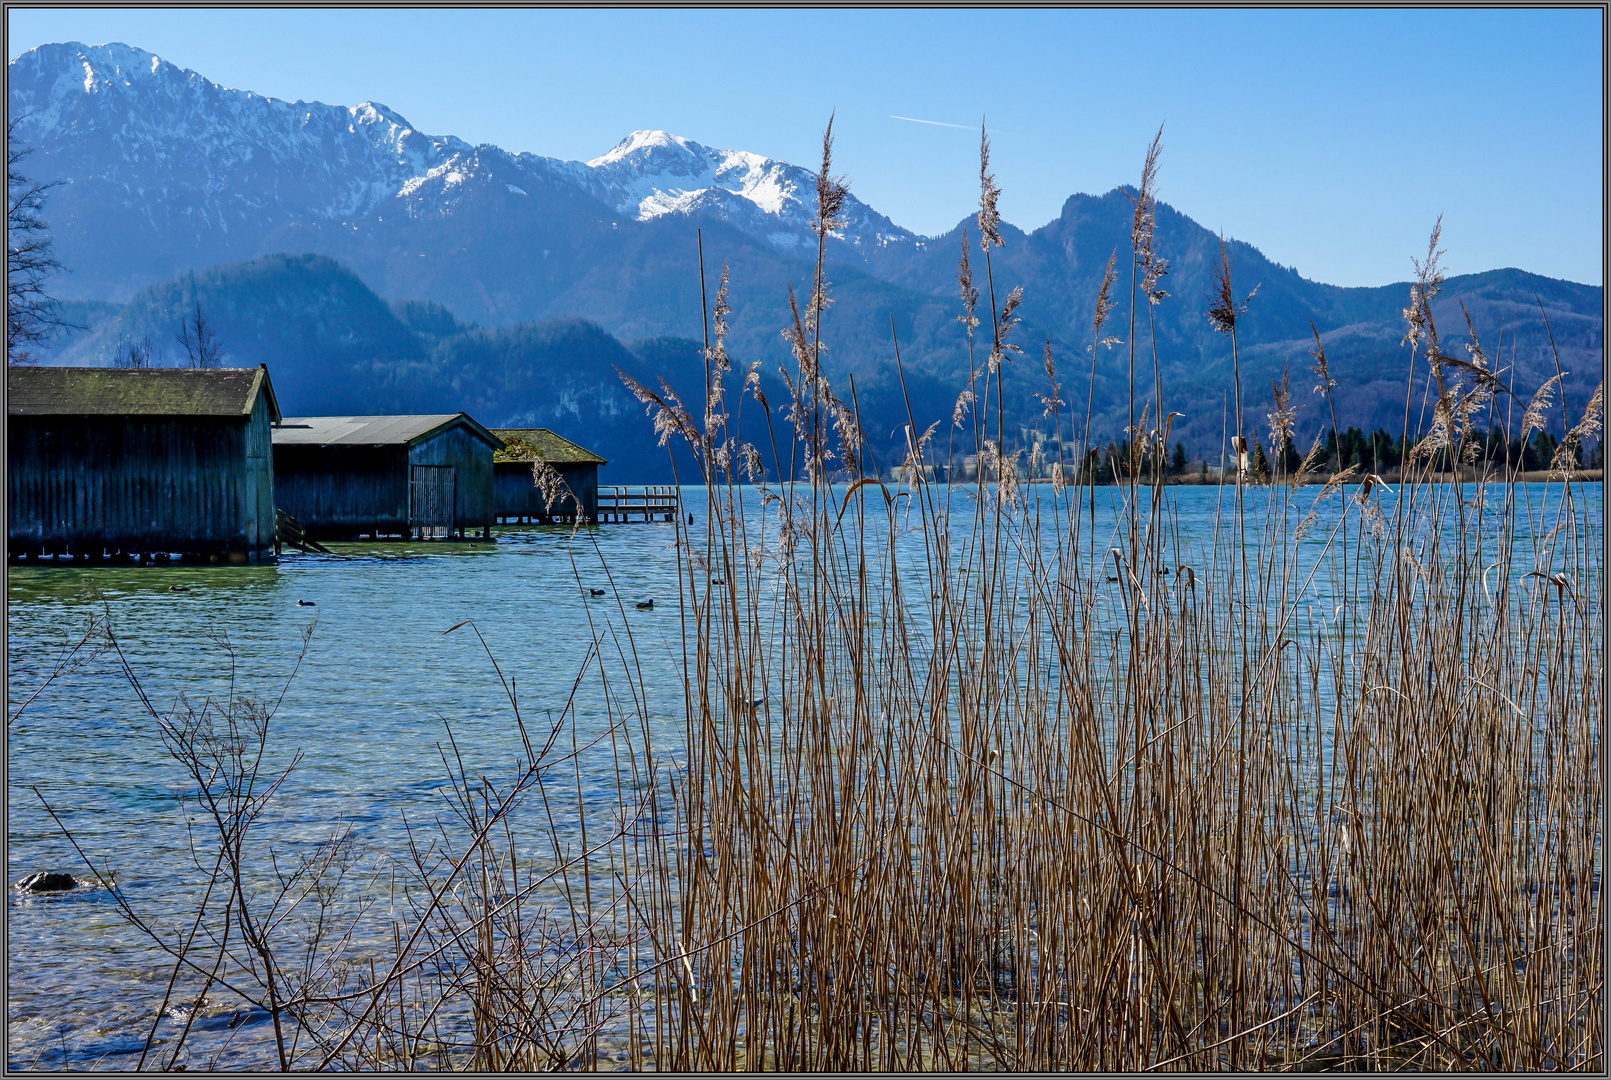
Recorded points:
140,463
415,477
518,497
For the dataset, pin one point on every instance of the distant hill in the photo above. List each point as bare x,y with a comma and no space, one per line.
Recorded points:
174,185
332,346
327,338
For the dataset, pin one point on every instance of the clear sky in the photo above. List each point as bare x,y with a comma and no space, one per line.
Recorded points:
1331,140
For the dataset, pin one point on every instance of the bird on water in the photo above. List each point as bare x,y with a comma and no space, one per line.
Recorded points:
646,605
306,603
595,592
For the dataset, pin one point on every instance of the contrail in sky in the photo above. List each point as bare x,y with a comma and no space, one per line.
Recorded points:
936,123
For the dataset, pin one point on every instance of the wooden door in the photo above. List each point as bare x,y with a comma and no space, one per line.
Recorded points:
430,501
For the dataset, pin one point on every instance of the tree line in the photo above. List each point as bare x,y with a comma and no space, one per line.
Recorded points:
1374,452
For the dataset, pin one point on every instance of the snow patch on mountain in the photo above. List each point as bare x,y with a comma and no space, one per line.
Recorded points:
653,173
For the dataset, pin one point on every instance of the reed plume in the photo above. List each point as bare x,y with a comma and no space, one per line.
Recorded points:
988,217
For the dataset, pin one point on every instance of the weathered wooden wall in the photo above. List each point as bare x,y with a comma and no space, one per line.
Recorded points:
583,480
341,491
517,495
471,458
257,498
140,485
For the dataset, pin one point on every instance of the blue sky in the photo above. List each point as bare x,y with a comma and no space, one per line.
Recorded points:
1331,140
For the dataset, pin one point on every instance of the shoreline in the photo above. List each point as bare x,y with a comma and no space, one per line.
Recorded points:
1391,476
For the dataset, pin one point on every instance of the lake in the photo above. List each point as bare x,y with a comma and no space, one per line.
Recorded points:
369,710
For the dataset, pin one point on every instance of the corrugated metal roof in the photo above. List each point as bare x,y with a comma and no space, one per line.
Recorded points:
85,391
370,430
527,444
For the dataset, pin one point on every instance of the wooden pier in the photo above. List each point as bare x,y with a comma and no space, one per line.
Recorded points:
615,505
622,504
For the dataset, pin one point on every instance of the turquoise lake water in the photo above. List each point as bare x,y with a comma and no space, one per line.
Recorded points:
367,711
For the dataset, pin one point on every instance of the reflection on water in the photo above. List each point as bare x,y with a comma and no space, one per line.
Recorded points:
380,685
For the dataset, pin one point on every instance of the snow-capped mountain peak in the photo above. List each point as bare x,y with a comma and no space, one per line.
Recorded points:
218,170
652,173
105,64
642,144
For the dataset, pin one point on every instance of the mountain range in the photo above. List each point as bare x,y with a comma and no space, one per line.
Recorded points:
295,219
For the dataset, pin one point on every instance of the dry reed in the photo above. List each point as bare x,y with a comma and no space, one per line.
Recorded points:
1002,804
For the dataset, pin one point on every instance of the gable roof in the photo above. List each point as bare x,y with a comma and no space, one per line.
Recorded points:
372,430
87,391
527,444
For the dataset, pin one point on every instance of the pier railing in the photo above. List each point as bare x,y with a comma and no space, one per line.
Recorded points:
653,503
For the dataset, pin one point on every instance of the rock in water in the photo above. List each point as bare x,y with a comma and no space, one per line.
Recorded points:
47,881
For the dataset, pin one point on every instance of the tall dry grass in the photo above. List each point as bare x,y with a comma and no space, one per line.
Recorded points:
978,781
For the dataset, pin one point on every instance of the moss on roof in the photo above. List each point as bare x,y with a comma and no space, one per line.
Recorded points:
530,444
86,391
